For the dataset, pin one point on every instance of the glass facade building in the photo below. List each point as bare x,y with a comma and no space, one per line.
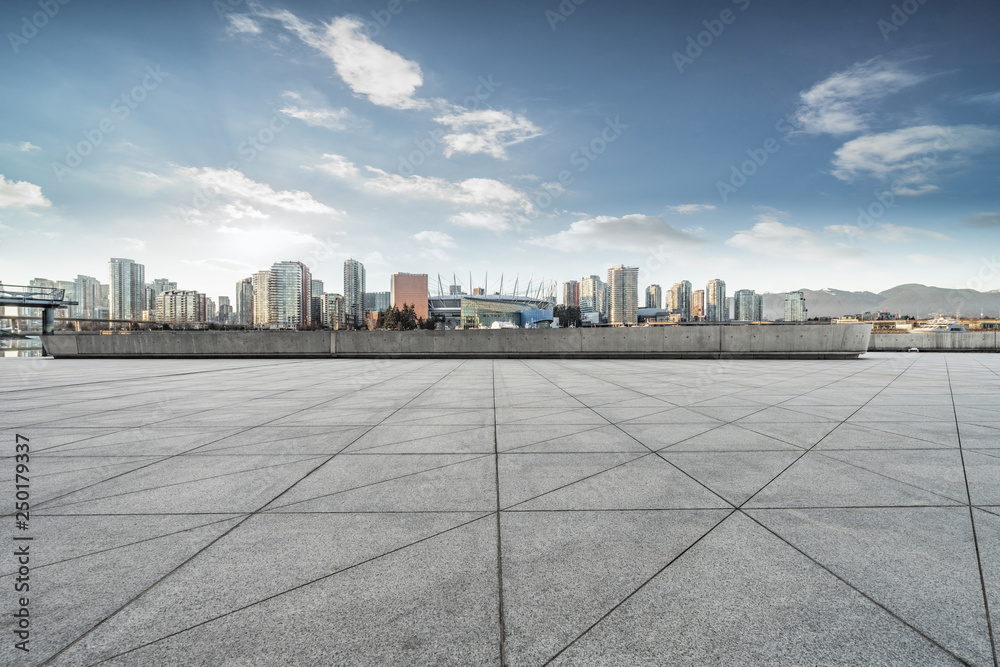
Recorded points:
483,312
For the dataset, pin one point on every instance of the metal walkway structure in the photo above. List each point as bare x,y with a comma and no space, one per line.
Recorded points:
46,298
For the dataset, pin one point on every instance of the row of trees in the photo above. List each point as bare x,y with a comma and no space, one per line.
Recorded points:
568,315
402,320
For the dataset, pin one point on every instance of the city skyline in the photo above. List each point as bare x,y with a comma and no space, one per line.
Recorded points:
798,145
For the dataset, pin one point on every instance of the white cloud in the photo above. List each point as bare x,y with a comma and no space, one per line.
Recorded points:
772,238
338,165
331,119
485,131
497,205
494,222
984,98
23,147
634,233
318,115
21,194
435,245
242,24
238,211
839,104
913,156
233,183
691,209
435,238
369,69
482,192
887,233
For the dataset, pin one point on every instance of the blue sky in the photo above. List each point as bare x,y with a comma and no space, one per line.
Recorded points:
775,145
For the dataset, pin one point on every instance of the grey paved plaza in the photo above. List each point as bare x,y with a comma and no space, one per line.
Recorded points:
477,512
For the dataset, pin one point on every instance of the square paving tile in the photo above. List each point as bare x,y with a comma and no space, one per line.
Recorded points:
507,512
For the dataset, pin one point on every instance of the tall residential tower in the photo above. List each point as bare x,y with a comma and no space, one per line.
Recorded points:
127,293
354,293
623,295
715,301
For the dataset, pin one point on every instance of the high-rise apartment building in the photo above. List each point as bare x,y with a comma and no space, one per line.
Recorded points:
593,295
163,284
571,294
698,304
127,293
795,307
155,288
69,294
715,301
290,298
354,293
681,299
262,315
654,297
333,311
225,311
317,302
88,296
748,306
67,286
409,288
376,302
244,301
623,295
181,307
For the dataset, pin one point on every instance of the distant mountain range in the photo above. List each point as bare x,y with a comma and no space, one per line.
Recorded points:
914,300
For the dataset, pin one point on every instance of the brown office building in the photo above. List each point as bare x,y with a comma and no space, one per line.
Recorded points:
409,288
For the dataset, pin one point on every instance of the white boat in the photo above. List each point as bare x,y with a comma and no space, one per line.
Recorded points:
938,325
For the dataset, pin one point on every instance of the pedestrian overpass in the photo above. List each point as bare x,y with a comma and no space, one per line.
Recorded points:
48,299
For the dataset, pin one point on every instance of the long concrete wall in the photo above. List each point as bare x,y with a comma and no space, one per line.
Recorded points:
733,342
967,341
192,344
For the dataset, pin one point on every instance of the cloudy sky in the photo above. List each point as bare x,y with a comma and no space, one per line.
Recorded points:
776,145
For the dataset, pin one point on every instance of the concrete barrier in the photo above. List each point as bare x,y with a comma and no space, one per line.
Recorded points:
707,341
161,344
943,341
